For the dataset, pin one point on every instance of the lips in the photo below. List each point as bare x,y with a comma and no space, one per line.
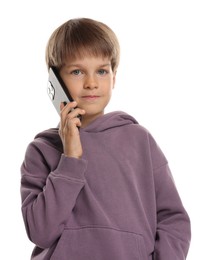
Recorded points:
90,97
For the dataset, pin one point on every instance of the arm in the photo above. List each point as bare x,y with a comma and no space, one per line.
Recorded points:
173,224
49,198
49,186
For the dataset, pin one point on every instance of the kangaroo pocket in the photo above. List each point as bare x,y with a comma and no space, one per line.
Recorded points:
99,243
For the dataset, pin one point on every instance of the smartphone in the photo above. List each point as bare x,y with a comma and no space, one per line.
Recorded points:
56,89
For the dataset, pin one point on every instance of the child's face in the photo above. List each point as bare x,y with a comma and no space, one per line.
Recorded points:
90,81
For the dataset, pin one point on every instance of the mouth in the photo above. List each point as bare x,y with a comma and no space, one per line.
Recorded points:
90,97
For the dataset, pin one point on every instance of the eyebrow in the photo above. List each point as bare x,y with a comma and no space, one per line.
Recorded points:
81,65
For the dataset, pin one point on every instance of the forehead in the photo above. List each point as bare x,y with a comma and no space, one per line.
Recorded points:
88,60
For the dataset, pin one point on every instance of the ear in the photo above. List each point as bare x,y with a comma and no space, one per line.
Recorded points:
114,78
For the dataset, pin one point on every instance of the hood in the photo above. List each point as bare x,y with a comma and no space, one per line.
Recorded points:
102,123
109,121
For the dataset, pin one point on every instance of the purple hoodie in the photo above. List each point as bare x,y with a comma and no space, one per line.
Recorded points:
118,202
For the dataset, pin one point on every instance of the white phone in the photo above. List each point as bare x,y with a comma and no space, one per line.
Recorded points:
56,89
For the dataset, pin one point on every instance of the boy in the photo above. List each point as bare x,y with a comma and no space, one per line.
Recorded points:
100,187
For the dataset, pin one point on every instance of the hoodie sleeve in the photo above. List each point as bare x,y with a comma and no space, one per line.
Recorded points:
173,225
49,196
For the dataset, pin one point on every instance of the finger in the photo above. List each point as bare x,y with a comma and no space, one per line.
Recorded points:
61,106
73,123
70,128
65,109
76,112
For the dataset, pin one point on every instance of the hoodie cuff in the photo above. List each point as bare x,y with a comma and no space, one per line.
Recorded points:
70,167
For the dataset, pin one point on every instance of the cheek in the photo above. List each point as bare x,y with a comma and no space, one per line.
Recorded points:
109,84
109,92
107,89
74,88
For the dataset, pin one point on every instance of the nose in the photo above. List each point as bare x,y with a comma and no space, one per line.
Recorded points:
90,82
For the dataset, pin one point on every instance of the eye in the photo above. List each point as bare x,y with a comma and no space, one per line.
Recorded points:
102,72
76,72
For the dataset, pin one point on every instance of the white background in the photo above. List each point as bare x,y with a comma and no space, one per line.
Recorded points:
163,80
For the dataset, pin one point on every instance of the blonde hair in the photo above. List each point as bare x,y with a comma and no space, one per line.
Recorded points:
78,37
